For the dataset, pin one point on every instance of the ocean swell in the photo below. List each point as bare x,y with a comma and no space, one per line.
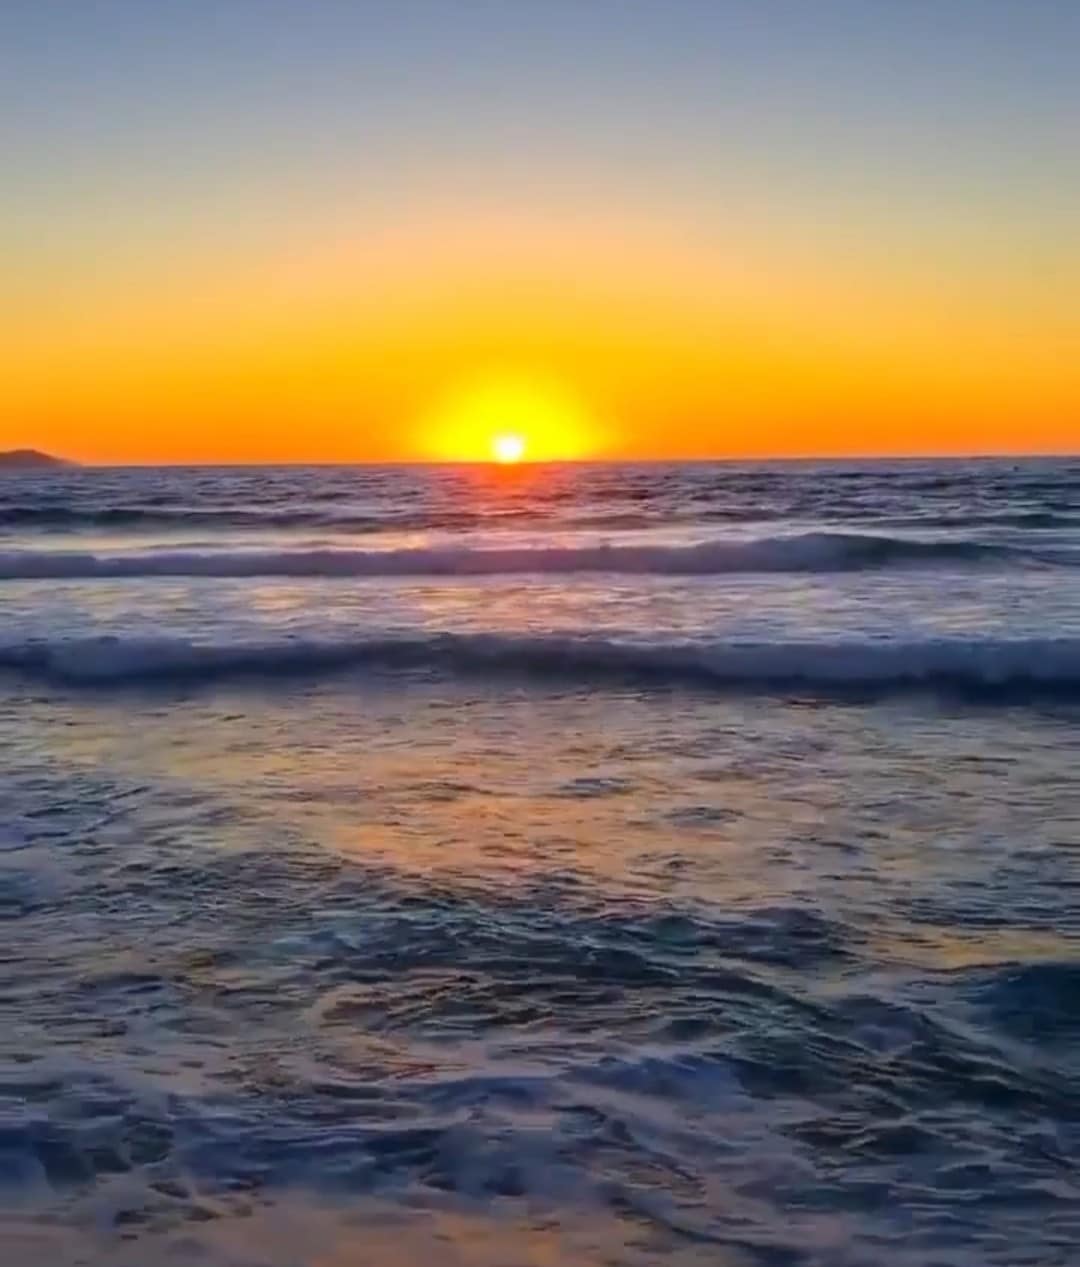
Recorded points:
808,552
978,666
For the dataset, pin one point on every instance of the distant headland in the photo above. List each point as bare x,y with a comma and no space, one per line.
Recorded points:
29,459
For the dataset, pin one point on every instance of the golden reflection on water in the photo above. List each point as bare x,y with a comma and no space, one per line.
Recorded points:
954,949
714,804
506,1232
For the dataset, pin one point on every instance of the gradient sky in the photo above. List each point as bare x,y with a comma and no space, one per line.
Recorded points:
282,230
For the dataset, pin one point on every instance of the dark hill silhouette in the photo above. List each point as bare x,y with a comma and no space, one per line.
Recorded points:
28,459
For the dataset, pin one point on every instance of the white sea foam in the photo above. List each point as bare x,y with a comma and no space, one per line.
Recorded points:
972,664
808,552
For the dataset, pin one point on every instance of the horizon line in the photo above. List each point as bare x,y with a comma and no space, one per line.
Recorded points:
728,460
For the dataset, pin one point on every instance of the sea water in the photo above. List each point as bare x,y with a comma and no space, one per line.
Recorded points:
544,865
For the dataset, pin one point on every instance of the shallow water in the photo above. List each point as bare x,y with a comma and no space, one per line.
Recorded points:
525,944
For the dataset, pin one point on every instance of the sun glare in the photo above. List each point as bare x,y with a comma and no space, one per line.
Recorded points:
508,447
509,419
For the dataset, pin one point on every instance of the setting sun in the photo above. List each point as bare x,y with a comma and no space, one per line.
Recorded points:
508,447
509,418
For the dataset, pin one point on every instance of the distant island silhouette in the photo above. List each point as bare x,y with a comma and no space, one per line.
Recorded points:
29,459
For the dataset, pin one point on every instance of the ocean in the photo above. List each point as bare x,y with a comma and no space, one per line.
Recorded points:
550,865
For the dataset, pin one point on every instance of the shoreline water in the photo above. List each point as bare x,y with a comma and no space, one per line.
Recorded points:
573,918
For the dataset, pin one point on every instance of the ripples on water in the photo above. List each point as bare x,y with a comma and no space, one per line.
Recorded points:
409,965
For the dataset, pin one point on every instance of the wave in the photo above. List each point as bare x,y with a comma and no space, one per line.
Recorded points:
67,519
1036,519
147,517
810,552
179,519
984,667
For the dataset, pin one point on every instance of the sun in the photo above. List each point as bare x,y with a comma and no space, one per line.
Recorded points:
508,447
508,418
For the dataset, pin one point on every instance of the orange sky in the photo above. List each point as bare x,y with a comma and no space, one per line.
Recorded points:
674,339
741,283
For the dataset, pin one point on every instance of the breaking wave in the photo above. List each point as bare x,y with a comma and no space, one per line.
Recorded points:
809,552
981,667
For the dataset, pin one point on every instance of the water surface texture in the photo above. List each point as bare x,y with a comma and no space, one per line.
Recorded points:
547,866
